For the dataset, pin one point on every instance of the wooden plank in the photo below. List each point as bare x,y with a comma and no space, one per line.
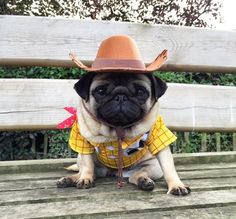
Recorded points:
38,104
203,142
218,142
22,190
41,176
204,158
203,213
185,161
43,165
34,104
174,147
121,203
47,41
196,173
45,190
234,141
199,107
207,166
34,194
45,145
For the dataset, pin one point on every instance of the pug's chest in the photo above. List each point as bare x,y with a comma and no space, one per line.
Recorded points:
132,151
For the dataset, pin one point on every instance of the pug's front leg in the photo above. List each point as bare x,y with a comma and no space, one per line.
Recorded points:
82,180
175,186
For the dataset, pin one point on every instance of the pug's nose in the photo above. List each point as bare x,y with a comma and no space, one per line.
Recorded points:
121,98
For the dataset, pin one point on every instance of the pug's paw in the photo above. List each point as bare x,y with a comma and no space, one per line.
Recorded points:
85,183
179,190
81,182
65,182
146,184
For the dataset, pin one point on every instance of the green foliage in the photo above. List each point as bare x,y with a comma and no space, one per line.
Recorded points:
188,145
16,145
41,72
58,144
226,142
181,12
198,78
192,143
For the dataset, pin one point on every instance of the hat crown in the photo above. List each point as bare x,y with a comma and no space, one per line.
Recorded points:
118,47
120,53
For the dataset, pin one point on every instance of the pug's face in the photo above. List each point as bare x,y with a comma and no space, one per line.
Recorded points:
120,99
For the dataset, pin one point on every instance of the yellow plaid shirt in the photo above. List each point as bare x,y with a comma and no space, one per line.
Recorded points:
158,138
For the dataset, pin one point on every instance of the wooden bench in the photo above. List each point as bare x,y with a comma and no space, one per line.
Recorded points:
27,188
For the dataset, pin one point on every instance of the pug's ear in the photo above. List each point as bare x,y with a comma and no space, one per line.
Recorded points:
159,87
83,85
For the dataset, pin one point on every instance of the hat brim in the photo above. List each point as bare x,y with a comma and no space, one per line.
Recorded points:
155,65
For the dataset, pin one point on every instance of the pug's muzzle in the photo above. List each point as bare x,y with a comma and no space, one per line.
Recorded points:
121,109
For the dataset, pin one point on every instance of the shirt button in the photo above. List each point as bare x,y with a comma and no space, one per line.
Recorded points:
97,149
111,148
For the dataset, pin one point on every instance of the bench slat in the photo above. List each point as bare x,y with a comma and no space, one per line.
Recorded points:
13,170
25,191
47,41
34,194
21,192
203,213
184,175
38,104
93,205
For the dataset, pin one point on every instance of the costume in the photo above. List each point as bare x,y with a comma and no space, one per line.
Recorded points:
120,54
133,149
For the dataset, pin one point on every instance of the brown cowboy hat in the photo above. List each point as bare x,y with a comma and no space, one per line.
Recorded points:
119,53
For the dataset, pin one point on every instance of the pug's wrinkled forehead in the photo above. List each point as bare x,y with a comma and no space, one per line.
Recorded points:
121,79
89,81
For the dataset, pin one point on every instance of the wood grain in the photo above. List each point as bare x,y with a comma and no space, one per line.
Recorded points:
28,104
47,41
34,104
22,192
185,162
199,107
42,180
34,194
22,189
94,205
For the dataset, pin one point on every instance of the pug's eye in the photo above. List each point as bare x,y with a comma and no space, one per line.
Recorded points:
101,90
140,92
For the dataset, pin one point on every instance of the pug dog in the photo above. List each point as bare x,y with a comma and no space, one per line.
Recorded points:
108,100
